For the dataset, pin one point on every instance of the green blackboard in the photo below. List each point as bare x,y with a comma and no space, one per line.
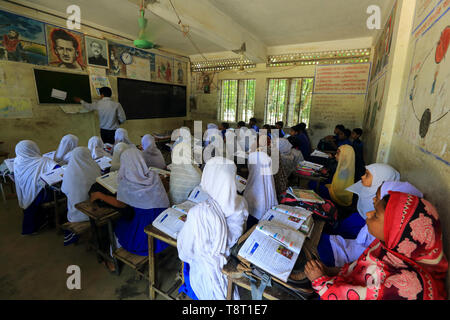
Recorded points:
76,85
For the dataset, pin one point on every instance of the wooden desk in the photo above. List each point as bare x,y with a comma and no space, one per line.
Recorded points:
235,276
154,233
99,216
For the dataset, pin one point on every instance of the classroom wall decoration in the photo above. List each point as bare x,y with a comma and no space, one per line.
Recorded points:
139,69
22,39
383,48
347,78
428,91
180,76
98,82
97,52
65,48
15,108
164,69
127,61
375,100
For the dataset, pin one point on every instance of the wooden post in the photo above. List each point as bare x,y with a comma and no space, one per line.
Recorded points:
151,268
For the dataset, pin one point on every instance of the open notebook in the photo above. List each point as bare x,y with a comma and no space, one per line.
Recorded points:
10,164
170,221
104,163
109,181
54,176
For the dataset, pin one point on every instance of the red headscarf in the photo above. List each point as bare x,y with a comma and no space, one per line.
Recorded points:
408,265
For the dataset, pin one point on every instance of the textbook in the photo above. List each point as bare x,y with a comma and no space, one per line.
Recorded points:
241,183
162,172
311,165
197,195
184,206
49,155
305,195
320,154
54,176
108,147
273,248
109,181
170,221
298,217
104,163
10,164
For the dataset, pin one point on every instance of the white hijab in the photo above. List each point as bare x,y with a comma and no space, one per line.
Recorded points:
284,146
117,152
95,145
348,250
260,191
121,135
246,138
381,172
211,131
67,144
78,178
28,166
138,186
152,155
231,145
204,240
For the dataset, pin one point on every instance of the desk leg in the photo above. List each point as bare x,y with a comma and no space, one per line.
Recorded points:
113,245
230,289
151,268
3,192
97,239
57,222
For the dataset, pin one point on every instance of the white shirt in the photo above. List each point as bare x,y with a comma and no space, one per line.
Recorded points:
111,113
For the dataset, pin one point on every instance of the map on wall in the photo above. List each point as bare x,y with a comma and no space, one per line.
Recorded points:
428,90
22,39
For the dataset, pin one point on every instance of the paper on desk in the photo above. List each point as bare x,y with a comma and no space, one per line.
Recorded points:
58,94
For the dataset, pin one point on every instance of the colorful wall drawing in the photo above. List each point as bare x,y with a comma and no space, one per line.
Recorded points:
180,76
121,57
22,39
65,48
164,69
428,90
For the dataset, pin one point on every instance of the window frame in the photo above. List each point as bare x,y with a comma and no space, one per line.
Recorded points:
238,107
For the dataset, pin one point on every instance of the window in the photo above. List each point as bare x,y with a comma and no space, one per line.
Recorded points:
237,100
289,100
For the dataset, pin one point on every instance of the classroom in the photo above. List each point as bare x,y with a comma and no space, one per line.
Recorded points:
224,150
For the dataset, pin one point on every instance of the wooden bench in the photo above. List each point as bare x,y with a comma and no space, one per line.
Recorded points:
136,262
77,227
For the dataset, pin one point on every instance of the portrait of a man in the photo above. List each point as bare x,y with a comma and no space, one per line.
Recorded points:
66,49
97,52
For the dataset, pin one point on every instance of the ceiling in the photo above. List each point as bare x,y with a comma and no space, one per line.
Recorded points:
272,23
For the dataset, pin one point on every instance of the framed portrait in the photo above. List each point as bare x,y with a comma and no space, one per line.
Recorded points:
65,48
96,52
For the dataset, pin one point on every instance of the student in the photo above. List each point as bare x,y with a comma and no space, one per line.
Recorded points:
300,141
111,114
329,143
252,124
344,138
117,152
302,127
280,125
211,131
64,151
351,238
260,192
211,229
359,153
224,126
152,155
240,124
141,198
405,262
343,177
121,135
95,145
289,156
28,166
185,175
78,178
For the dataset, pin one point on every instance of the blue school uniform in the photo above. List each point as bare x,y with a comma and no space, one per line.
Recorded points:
131,235
256,128
343,142
33,216
360,166
186,287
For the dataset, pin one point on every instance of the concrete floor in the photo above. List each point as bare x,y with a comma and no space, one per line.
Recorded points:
34,267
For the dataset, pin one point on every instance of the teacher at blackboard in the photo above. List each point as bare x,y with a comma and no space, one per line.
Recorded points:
111,114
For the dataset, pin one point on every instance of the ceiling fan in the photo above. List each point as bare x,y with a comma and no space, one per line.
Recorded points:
142,42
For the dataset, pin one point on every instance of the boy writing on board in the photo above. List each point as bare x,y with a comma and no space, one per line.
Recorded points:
111,114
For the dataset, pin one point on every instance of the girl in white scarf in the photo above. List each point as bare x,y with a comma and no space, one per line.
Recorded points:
212,130
211,229
117,152
185,175
78,178
64,151
152,155
95,145
28,166
121,135
344,245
